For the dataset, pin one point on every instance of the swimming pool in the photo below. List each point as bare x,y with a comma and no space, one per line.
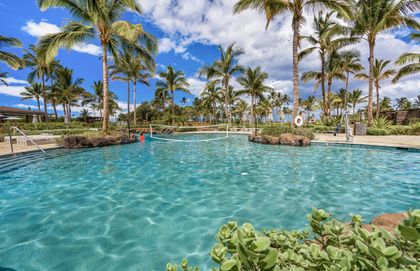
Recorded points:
139,206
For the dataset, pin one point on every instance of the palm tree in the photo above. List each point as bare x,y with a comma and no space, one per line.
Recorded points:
379,73
96,99
354,98
350,64
161,97
84,115
273,8
416,103
34,91
253,83
35,58
328,37
70,90
385,103
411,68
10,59
223,70
309,105
372,17
172,81
241,108
403,103
265,108
100,19
210,97
52,69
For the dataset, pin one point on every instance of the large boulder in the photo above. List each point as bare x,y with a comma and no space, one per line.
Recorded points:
389,221
272,140
294,140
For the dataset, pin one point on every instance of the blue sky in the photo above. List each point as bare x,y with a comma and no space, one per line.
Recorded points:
189,32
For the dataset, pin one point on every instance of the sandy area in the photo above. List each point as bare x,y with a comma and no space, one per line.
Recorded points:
5,148
392,140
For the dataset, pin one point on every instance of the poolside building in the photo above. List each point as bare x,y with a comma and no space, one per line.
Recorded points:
19,114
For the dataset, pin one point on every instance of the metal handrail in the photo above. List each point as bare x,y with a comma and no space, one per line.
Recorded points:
17,129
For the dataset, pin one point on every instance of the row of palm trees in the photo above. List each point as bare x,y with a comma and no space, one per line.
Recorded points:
365,19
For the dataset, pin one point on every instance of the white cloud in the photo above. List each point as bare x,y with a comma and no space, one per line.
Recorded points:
12,80
43,28
196,85
11,90
213,23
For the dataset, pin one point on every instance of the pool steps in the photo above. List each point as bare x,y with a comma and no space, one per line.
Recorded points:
10,163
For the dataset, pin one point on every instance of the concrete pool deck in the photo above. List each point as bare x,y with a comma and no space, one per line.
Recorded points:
5,148
404,141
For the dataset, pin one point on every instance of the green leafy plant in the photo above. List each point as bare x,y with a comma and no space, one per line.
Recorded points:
279,129
330,245
381,123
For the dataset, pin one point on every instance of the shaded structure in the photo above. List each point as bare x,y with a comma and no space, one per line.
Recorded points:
24,115
402,117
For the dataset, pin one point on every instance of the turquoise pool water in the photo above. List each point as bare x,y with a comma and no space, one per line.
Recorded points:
136,207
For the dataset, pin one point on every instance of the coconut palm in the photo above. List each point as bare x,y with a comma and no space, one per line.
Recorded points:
327,38
372,17
10,59
161,98
355,97
34,91
380,73
264,108
403,103
253,85
41,69
222,70
69,89
99,19
211,96
172,81
52,69
241,108
309,105
296,7
95,99
386,103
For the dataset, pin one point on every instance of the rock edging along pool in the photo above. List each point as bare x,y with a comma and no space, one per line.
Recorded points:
139,206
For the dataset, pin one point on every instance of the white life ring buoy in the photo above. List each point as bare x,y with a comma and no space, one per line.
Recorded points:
298,121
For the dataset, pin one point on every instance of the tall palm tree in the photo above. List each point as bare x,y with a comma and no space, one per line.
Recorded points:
99,19
241,108
264,108
10,59
273,8
355,97
34,91
95,99
327,38
70,90
172,81
36,59
52,69
372,17
253,85
211,96
223,70
350,64
161,97
380,73
310,105
84,115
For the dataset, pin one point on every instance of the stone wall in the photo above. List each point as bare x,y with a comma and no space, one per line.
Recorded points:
79,142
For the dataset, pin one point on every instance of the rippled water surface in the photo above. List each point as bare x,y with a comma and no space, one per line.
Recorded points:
136,207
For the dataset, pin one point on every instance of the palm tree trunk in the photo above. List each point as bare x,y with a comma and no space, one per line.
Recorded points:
69,112
295,48
55,108
135,100
105,121
226,83
39,105
378,109
128,103
354,108
370,94
324,100
44,96
65,113
173,107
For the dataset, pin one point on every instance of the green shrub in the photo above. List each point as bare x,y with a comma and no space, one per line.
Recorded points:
400,130
381,123
330,245
415,129
377,131
279,129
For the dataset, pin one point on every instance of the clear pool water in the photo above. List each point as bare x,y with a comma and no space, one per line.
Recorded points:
136,207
